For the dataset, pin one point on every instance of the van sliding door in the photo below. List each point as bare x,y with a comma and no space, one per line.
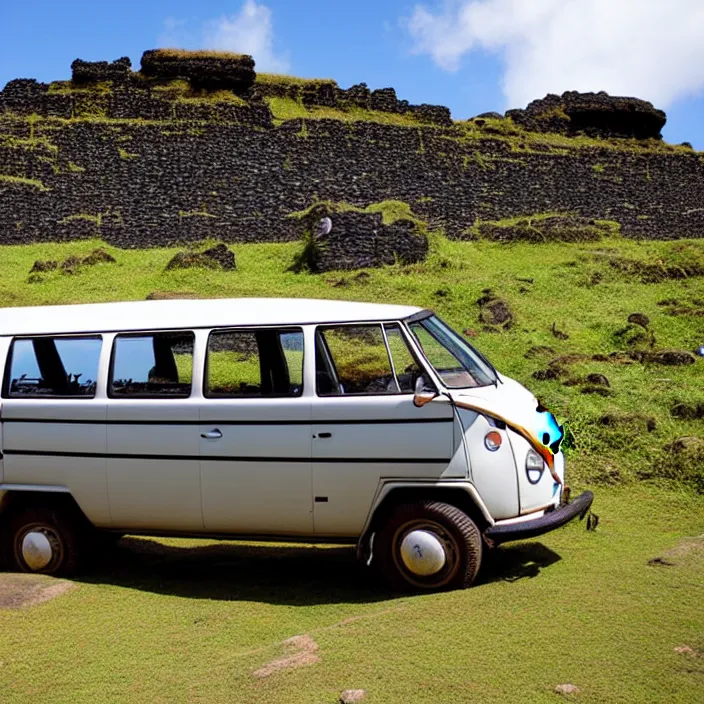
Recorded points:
152,433
255,435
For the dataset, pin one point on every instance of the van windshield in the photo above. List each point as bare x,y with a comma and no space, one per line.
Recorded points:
457,363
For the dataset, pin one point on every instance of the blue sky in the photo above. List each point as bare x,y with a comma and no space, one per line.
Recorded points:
471,55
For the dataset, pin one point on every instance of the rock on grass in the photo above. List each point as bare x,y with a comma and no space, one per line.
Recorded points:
219,257
494,311
567,690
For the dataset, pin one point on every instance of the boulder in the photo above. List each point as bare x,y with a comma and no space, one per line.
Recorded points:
222,255
98,256
348,239
639,319
594,114
189,260
673,357
41,265
494,310
203,69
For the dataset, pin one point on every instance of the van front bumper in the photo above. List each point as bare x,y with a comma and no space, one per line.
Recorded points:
544,524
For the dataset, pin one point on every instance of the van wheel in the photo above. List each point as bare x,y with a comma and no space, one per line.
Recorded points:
428,546
44,540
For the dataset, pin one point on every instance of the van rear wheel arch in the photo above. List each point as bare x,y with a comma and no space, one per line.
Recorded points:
43,532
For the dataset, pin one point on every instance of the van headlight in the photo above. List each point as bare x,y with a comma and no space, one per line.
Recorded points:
535,466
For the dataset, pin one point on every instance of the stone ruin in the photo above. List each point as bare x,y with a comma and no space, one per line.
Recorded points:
594,114
343,239
187,149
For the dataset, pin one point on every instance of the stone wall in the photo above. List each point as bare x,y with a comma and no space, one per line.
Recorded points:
140,169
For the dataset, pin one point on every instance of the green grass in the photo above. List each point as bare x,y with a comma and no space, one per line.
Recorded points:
586,289
186,620
288,109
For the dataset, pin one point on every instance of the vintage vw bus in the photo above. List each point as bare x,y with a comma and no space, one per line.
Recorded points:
301,420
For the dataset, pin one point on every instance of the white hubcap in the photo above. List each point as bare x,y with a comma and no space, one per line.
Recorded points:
423,553
37,550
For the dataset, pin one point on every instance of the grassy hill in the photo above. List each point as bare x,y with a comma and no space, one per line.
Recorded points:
616,612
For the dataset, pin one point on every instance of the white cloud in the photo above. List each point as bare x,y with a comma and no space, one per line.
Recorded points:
250,31
651,49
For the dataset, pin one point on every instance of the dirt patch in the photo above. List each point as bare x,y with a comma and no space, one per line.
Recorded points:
302,653
567,690
686,550
23,590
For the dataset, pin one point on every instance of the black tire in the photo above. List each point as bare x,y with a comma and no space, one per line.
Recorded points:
456,531
62,528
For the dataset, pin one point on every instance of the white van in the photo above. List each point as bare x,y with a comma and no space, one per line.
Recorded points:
280,419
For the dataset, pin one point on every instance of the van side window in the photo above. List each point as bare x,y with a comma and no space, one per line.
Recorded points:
152,365
254,363
353,359
53,366
406,366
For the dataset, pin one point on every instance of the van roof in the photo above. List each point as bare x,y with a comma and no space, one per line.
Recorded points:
182,314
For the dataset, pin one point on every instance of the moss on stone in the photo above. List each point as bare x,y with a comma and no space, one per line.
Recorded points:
195,214
21,181
125,155
391,210
283,79
171,53
284,109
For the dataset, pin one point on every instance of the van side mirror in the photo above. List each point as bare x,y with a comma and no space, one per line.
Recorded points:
425,392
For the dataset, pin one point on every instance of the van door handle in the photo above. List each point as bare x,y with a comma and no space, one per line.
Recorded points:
324,435
214,434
